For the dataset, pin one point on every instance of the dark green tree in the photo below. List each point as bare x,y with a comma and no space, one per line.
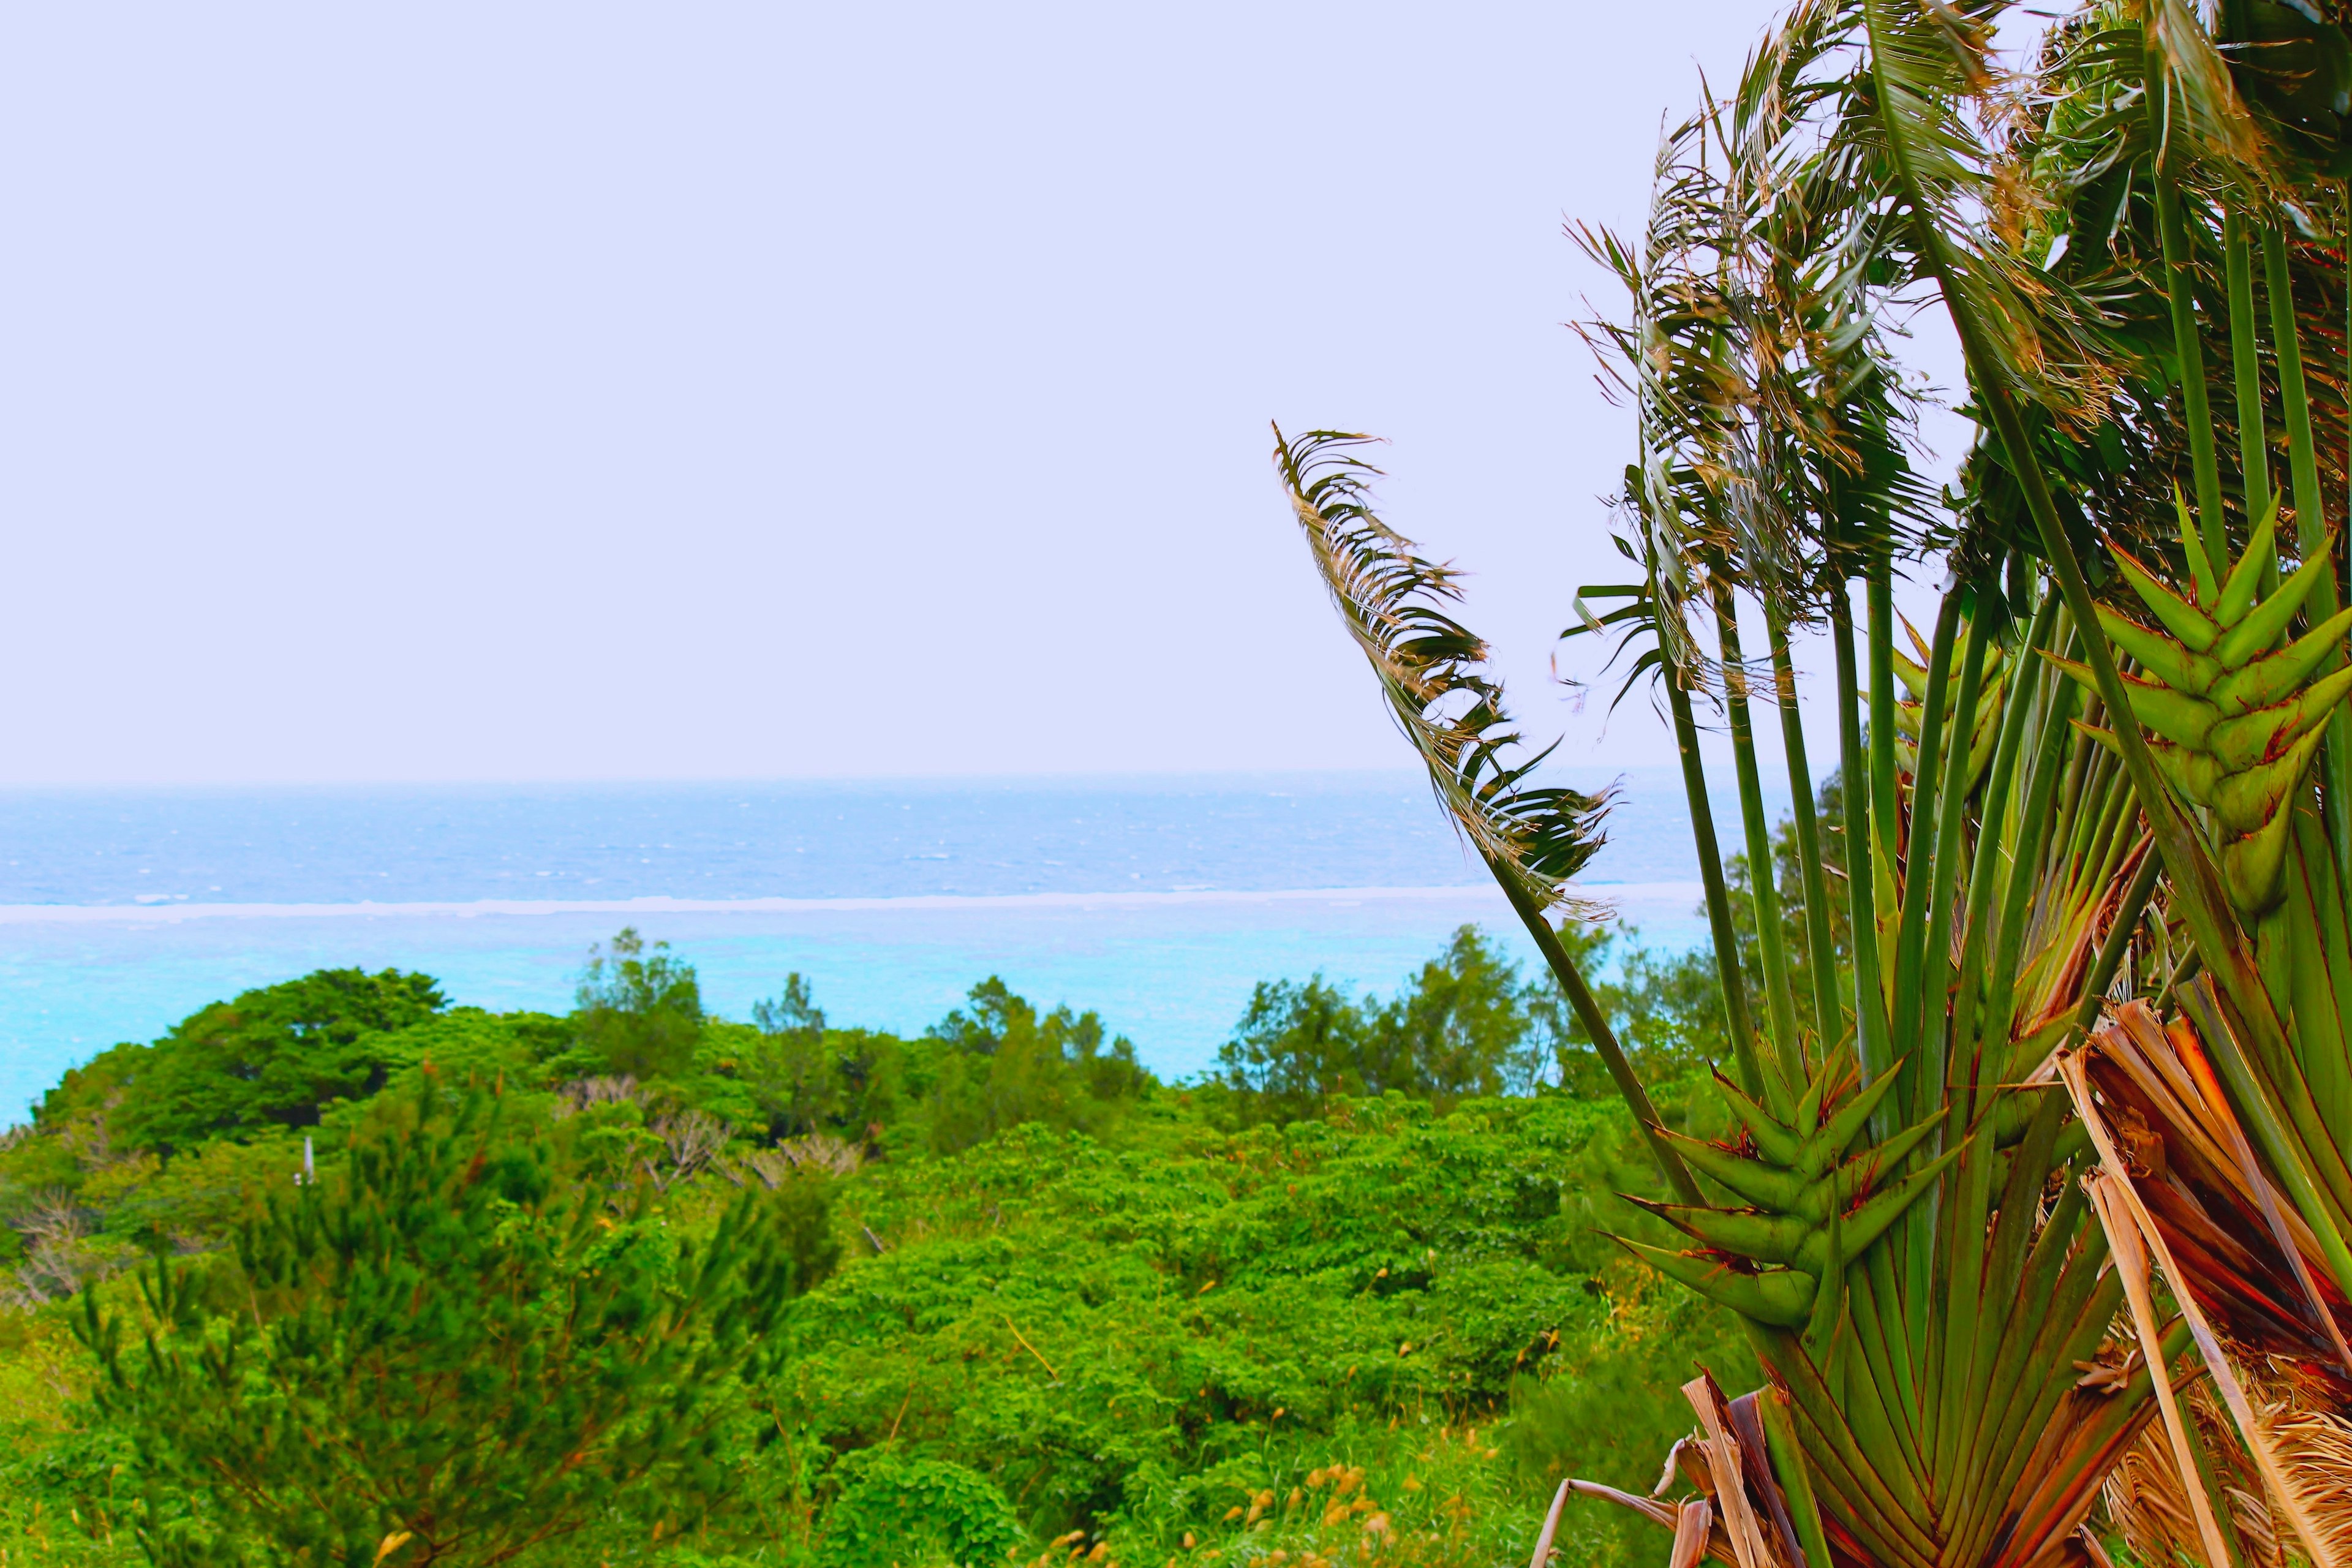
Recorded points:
274,1057
450,1351
1461,1026
1296,1042
794,1074
639,1009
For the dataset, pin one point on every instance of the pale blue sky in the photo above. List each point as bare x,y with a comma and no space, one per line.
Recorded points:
587,391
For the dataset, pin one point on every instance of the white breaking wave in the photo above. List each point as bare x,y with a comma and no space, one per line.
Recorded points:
1623,894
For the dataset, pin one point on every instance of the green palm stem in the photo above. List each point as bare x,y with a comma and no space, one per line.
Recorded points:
1710,871
2310,1087
1918,1020
1951,850
2021,872
2110,957
1889,1417
2323,974
1820,945
2197,411
2311,530
1886,790
1795,1477
2002,840
1880,1337
1959,1343
1604,1039
1907,1023
1771,950
2032,1269
1871,1049
2245,362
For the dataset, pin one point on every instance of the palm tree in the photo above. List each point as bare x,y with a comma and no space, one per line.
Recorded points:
1940,1200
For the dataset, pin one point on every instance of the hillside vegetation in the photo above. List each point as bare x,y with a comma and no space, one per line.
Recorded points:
337,1272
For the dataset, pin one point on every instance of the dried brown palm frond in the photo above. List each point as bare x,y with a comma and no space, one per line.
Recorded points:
2122,1190
1732,1509
2145,1503
2221,1212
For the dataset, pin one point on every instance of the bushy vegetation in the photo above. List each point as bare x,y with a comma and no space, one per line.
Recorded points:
385,1281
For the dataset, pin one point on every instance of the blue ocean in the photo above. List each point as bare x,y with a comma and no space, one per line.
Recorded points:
1159,902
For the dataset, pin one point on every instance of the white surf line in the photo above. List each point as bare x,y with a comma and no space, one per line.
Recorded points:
165,914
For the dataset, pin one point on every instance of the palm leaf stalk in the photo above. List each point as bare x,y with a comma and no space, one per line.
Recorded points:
2311,526
1770,941
1714,885
1921,1417
1805,823
2242,719
1923,1303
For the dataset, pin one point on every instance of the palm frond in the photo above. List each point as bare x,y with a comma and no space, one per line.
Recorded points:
1435,676
1755,352
1931,114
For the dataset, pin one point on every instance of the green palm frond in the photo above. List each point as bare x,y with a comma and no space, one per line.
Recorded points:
1433,673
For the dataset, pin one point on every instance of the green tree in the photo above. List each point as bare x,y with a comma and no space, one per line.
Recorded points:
1002,1065
450,1352
1465,1025
793,1075
1664,1008
793,1012
274,1057
1296,1042
639,1009
1462,1029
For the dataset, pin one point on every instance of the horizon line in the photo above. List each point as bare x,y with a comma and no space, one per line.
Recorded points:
174,913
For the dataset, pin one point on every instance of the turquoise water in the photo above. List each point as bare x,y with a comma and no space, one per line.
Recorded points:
1157,901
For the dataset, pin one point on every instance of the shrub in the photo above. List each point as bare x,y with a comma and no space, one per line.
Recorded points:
894,1509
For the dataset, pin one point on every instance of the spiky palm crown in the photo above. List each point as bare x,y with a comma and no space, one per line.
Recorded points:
2235,710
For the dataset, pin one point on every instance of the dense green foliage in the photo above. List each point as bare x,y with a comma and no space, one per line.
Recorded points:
1470,1026
452,1344
1052,1304
274,1057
